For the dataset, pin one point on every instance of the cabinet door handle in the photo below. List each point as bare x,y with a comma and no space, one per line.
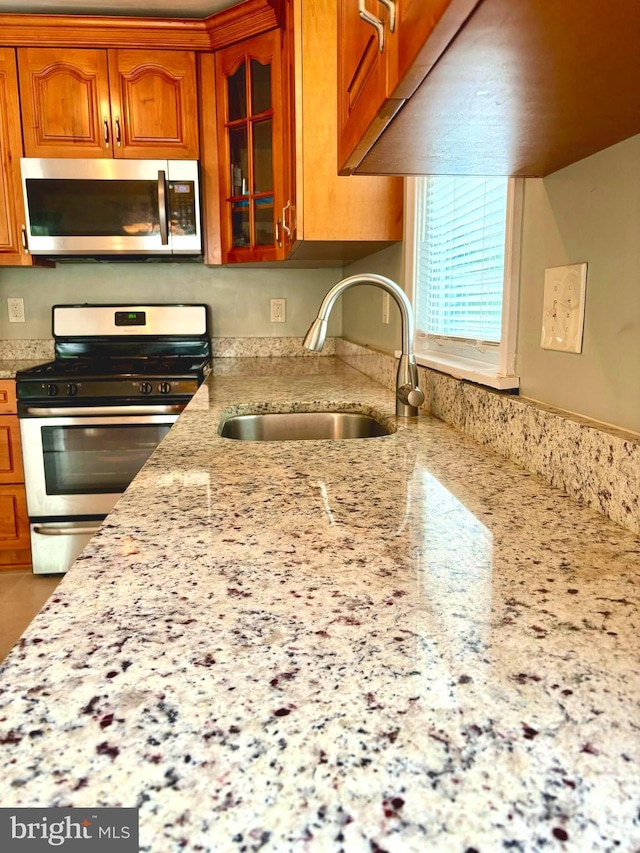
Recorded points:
391,8
23,237
105,125
278,235
285,227
118,134
376,23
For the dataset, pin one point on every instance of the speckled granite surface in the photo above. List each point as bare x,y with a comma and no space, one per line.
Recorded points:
10,366
20,355
396,644
593,463
26,350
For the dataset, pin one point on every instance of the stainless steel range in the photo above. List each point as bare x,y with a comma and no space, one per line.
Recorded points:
91,418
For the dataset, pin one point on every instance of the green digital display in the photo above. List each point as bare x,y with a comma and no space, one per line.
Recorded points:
130,318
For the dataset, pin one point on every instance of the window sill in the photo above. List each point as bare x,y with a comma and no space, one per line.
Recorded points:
467,368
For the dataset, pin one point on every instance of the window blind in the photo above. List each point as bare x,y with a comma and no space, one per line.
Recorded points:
460,256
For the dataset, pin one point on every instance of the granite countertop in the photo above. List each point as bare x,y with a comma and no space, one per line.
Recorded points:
397,644
10,366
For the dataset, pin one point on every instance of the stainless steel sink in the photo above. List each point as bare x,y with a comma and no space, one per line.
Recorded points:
303,426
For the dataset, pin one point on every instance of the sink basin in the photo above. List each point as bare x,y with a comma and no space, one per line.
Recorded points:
303,426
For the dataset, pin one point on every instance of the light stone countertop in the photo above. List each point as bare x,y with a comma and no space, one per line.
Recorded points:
10,366
397,644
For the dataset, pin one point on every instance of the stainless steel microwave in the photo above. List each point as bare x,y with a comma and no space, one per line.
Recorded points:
111,207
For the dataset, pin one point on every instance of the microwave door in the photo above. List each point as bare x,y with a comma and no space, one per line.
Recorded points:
79,207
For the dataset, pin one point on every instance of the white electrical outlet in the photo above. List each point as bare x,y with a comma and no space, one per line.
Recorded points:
16,309
563,307
278,310
385,306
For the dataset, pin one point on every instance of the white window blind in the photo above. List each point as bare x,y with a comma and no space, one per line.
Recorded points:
460,256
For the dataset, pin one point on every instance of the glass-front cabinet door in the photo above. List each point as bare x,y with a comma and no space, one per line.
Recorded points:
250,128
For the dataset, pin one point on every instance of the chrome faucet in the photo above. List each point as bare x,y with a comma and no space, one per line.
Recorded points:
409,395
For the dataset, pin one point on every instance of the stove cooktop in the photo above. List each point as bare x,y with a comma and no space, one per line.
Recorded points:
113,378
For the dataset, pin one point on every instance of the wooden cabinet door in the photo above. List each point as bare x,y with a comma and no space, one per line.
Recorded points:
12,251
362,77
249,97
15,545
64,96
10,451
154,104
374,83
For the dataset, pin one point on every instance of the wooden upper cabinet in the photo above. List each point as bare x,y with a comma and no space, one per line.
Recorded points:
488,87
382,61
116,103
154,104
337,217
249,98
12,251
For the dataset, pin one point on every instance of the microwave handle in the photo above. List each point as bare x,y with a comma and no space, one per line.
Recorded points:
162,207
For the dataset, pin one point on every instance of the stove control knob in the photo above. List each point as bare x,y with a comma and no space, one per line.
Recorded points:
146,388
72,389
164,387
52,390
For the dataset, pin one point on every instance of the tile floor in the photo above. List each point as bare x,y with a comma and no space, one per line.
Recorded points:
22,594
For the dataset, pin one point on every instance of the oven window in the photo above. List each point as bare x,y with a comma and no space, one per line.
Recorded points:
80,460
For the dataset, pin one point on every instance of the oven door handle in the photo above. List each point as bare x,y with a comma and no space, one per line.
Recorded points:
62,412
45,530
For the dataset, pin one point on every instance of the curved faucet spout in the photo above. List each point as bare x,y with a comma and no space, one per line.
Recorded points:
409,396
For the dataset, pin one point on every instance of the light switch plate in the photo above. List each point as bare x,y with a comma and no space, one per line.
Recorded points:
563,307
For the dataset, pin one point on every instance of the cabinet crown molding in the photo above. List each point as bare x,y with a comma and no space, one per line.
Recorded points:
234,24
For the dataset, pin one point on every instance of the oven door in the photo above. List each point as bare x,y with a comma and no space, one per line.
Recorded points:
78,461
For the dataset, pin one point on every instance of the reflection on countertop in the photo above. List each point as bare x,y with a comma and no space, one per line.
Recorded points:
402,643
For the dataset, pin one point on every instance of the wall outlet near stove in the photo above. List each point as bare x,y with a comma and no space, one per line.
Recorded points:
15,305
278,310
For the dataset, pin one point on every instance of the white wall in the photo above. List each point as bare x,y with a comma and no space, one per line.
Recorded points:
239,297
362,306
590,212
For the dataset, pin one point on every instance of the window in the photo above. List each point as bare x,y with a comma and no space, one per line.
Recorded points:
462,260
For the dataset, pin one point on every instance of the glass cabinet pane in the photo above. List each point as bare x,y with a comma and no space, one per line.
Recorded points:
262,157
260,87
237,93
239,152
265,231
240,229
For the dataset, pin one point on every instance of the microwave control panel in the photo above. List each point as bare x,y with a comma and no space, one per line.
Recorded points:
182,207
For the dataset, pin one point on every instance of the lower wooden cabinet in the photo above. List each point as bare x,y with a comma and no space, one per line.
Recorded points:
15,549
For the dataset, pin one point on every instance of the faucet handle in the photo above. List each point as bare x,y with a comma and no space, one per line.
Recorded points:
411,395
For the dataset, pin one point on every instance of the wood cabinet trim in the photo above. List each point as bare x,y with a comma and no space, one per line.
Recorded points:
239,22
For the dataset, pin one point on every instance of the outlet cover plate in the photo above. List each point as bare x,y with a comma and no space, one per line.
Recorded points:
278,310
563,308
